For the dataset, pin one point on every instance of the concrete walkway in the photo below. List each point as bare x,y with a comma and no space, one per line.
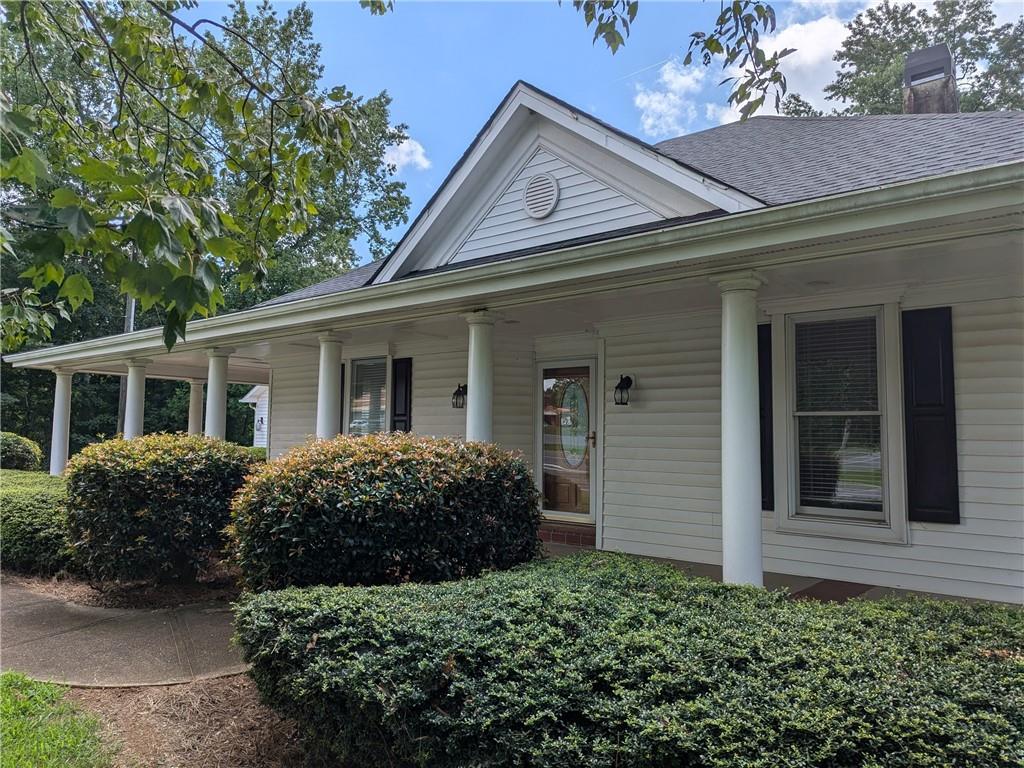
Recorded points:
57,641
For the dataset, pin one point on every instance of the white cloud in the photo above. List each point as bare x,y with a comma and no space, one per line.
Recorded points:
409,153
808,69
664,110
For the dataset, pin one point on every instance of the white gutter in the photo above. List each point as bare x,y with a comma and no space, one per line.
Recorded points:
757,231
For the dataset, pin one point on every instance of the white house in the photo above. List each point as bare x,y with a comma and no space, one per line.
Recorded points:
820,320
259,398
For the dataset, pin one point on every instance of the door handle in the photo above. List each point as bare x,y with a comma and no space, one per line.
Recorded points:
592,439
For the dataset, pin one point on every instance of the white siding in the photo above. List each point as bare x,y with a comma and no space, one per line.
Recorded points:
436,370
261,410
661,453
585,206
662,494
292,403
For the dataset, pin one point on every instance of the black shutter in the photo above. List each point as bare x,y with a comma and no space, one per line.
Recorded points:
401,394
764,390
928,400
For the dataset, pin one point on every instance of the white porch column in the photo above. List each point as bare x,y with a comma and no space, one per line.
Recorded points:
135,398
217,393
195,406
328,388
61,423
480,378
741,461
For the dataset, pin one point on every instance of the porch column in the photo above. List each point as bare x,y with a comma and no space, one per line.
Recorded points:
61,423
217,393
328,388
135,398
195,406
741,462
480,378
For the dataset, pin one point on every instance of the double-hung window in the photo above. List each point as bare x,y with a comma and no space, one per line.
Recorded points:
367,401
838,416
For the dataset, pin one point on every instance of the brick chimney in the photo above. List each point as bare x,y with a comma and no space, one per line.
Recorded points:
929,82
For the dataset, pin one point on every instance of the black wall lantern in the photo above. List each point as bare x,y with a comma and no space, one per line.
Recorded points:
459,396
622,390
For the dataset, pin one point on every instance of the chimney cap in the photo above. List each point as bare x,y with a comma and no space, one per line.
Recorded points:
927,64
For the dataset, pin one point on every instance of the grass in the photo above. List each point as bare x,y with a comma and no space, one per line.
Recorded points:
39,728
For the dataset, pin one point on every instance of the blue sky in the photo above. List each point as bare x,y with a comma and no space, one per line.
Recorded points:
448,65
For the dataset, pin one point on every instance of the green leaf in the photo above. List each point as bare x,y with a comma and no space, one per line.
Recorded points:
27,167
63,197
76,289
77,220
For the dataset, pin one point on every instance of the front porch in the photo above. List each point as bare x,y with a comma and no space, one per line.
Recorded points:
677,473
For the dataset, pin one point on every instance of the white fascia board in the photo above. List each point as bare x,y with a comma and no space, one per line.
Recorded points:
522,101
760,237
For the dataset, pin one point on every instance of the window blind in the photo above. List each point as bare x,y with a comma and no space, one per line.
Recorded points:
368,397
838,417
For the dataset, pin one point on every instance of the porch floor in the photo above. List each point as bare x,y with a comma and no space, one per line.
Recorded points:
800,587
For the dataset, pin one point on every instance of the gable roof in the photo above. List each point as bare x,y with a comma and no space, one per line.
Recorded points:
525,102
788,159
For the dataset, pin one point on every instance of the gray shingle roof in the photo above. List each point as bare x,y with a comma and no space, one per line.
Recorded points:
786,159
354,278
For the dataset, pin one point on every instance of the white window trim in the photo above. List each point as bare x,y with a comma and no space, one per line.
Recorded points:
346,405
894,529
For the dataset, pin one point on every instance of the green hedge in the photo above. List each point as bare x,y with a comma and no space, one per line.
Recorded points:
152,507
603,660
17,452
33,523
384,509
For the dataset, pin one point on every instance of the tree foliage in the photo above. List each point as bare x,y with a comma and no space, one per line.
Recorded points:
735,38
132,172
989,57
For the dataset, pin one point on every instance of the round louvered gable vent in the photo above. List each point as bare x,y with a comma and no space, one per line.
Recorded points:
540,195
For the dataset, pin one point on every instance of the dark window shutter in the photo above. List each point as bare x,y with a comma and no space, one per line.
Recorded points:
764,389
930,410
401,394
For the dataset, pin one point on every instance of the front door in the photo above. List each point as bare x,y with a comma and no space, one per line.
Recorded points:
568,437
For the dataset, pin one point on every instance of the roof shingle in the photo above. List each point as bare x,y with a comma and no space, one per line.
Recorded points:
785,159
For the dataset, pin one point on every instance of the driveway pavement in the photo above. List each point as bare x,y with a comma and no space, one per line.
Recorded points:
50,639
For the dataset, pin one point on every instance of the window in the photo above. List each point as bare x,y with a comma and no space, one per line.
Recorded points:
368,397
836,404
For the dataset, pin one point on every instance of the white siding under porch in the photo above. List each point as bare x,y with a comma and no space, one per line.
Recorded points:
662,457
437,368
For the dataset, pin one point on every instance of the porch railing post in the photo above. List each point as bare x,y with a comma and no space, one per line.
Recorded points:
742,559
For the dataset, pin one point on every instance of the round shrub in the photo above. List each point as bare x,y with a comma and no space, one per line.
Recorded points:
384,509
153,507
601,660
33,523
17,452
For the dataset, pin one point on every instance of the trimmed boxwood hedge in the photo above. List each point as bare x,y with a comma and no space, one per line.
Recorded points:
605,660
17,452
153,507
382,509
33,523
